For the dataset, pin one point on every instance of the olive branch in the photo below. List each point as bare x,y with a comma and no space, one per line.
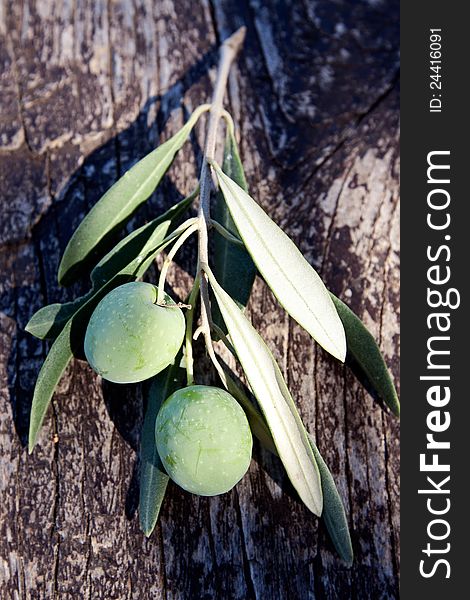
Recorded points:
246,242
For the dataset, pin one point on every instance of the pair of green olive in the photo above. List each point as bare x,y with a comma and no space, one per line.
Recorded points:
202,434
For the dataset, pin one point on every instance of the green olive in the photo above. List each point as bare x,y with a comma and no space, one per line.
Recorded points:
203,439
130,338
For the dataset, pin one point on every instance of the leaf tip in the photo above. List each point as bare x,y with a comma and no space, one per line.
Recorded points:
395,407
338,348
147,523
62,275
32,434
146,529
31,444
346,552
319,510
342,353
315,502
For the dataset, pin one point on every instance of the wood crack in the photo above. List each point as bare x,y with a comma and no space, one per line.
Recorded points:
332,222
352,130
55,535
19,94
250,584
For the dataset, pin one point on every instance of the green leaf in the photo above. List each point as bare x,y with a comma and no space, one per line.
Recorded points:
49,376
333,510
270,390
49,321
153,477
365,351
70,340
136,243
257,423
150,251
233,266
292,279
121,200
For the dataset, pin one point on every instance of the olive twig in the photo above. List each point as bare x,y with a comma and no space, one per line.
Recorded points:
168,260
228,121
217,365
228,52
189,327
176,233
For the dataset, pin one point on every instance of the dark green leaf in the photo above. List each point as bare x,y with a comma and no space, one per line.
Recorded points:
134,244
365,351
233,266
153,477
333,510
120,202
49,321
51,371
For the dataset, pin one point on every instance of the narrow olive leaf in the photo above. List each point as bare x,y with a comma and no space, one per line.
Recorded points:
70,340
257,423
150,252
270,390
233,267
333,510
365,351
49,376
292,279
121,200
153,477
134,244
154,247
67,344
49,321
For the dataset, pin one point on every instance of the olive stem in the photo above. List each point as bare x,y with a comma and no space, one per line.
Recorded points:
228,52
189,328
228,122
168,260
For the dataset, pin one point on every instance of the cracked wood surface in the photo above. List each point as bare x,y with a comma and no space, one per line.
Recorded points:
87,88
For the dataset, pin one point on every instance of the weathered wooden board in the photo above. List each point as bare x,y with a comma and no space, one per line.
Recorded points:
86,89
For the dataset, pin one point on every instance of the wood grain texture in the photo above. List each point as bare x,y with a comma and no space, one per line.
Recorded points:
87,88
